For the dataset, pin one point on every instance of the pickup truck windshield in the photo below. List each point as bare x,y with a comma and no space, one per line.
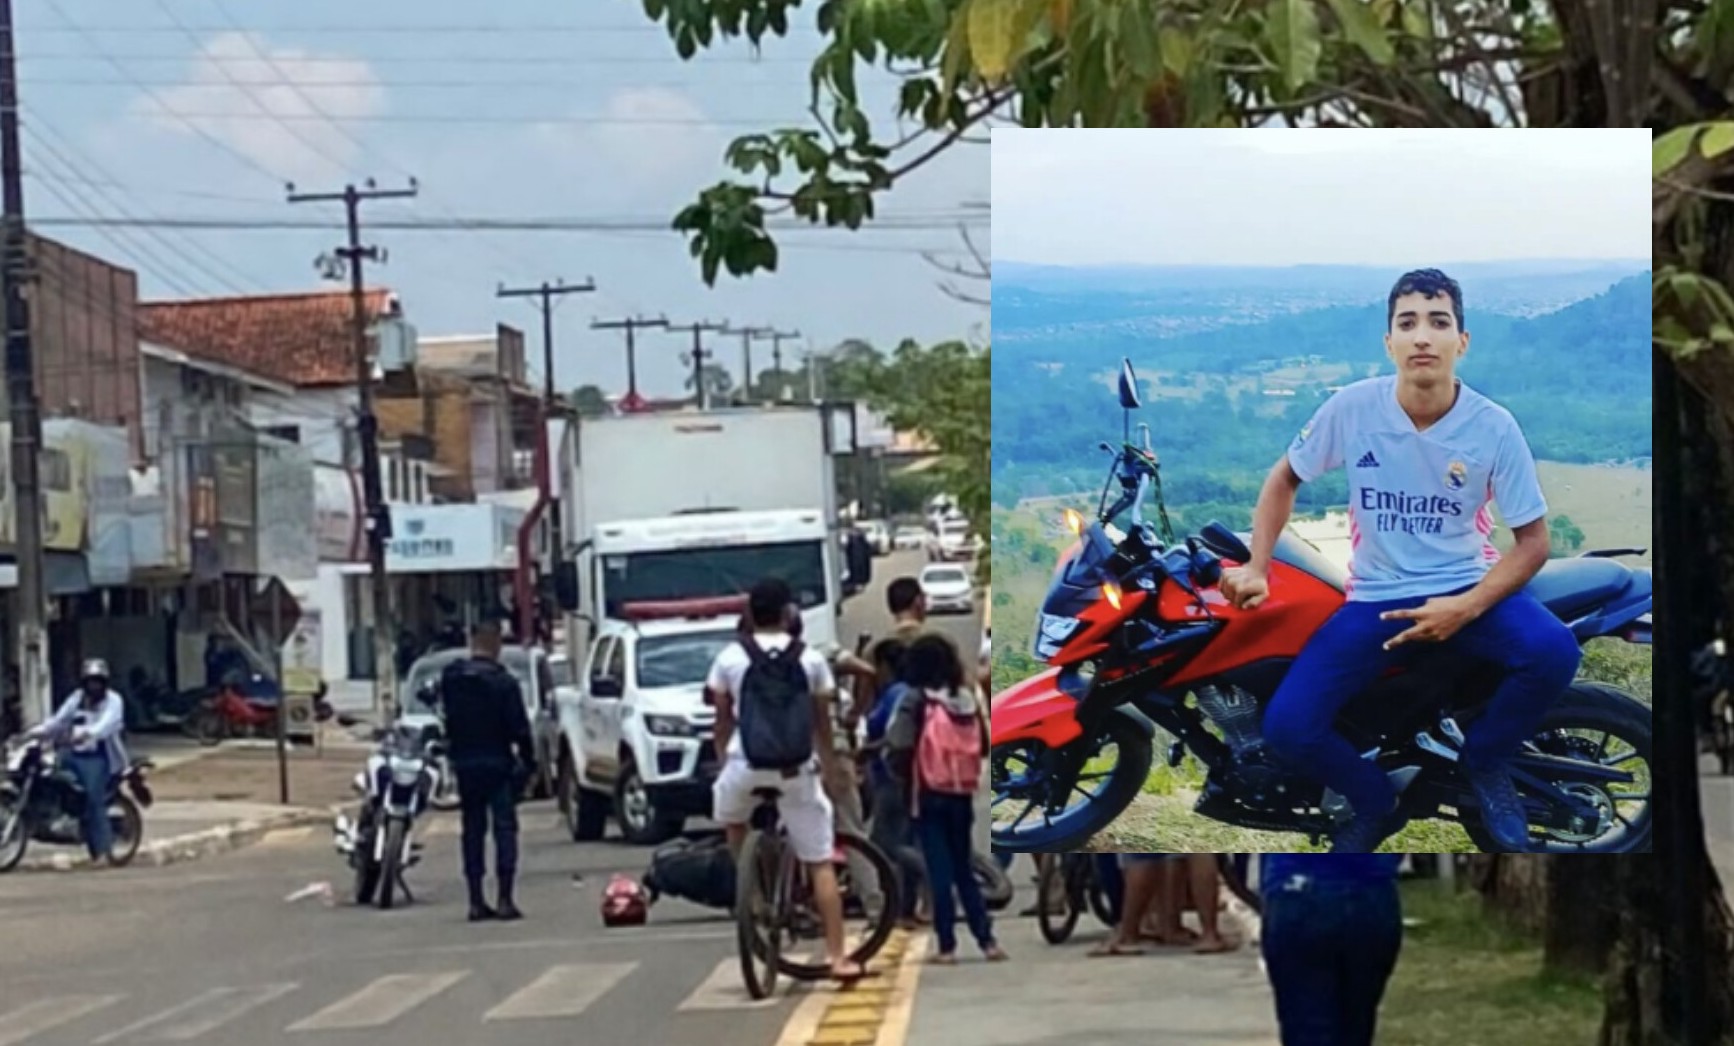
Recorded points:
708,573
682,660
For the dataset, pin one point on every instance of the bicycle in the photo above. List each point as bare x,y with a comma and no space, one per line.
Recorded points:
1080,885
1064,889
774,903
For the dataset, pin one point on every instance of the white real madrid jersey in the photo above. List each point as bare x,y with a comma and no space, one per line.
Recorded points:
1419,520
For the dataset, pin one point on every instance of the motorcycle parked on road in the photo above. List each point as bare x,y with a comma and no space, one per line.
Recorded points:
1134,625
41,803
396,785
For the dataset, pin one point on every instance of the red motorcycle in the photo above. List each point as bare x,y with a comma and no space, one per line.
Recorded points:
230,714
1140,636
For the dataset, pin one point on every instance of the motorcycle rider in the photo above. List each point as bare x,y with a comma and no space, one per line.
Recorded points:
493,753
91,720
1425,454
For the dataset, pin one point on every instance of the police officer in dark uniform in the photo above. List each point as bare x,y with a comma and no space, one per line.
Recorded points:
493,755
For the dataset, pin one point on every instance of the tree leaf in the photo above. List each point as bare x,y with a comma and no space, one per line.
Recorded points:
1176,50
1293,31
1060,15
1669,151
1718,139
1361,25
993,36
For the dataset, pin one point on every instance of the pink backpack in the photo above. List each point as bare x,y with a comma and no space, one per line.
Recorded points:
948,754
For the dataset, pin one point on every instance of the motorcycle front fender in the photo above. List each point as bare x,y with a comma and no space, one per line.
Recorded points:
1042,708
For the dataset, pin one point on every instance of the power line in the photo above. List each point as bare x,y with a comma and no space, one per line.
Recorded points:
425,30
166,108
699,355
548,292
630,324
564,62
887,224
181,115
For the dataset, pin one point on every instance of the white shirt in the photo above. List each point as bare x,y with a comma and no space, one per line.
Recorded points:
1419,521
730,667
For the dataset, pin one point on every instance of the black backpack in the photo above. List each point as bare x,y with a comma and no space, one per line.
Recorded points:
775,707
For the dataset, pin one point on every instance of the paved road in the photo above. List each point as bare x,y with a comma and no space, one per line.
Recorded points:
213,953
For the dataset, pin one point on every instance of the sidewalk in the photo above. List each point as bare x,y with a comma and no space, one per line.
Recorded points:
1717,795
186,831
1048,994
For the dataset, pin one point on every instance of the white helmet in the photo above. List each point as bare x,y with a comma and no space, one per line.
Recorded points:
94,668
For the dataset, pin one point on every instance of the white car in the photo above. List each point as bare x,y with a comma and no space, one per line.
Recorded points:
947,588
909,538
531,667
638,734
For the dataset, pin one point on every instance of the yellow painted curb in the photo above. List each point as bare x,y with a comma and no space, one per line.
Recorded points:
864,1014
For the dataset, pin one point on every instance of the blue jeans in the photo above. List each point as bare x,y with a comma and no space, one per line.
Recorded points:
945,825
91,771
1539,654
1330,948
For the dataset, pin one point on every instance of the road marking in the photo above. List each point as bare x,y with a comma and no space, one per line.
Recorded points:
725,989
200,1014
381,1002
563,991
284,836
641,937
442,827
43,1014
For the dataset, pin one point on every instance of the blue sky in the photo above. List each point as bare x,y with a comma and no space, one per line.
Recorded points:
578,110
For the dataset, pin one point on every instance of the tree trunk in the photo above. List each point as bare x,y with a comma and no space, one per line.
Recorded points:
1512,885
1582,919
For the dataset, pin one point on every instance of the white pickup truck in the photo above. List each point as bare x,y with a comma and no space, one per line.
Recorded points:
645,753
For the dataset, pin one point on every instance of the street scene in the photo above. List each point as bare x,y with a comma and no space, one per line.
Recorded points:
263,944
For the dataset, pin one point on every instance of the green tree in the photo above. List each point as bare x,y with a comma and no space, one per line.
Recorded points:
589,400
1158,63
1564,535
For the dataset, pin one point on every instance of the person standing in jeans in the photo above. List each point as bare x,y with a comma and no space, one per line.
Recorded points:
936,726
1333,926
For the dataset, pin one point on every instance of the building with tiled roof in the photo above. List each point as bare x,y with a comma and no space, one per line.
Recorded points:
304,340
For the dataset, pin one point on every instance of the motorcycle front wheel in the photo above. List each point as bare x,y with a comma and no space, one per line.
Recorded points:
1021,822
14,832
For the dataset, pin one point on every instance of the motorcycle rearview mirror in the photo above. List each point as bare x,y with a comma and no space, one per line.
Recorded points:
1224,542
1128,385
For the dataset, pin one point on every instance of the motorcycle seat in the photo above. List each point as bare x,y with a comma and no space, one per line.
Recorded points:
1572,587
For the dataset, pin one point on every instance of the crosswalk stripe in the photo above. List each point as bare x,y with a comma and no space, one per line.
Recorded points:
200,1014
724,989
44,1014
381,1002
563,991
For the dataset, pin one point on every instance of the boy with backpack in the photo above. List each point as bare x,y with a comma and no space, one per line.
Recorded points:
773,724
935,743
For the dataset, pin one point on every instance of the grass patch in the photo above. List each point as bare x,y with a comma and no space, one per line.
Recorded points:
1466,980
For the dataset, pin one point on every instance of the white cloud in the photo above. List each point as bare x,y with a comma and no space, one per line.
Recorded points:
272,105
651,145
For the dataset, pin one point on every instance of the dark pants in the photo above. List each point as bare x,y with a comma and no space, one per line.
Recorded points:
1113,880
1330,948
1342,659
92,773
893,833
487,790
945,825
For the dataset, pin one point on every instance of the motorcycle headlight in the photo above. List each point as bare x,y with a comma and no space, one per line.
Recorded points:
670,726
405,771
1052,632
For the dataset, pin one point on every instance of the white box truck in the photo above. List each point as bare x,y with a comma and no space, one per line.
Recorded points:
667,520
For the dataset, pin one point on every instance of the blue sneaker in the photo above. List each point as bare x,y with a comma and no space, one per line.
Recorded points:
1501,808
1362,834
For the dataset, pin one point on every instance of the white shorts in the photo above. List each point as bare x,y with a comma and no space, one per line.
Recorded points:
803,808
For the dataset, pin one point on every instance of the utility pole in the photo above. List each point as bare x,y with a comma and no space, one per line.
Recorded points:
777,338
699,354
547,292
24,410
747,335
629,325
367,426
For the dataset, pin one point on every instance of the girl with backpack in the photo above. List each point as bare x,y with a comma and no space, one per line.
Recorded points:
936,740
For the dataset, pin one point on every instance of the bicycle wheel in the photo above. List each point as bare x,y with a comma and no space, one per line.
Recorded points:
1058,886
758,912
1236,885
872,936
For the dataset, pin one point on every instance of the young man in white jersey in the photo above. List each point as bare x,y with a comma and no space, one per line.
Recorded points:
803,808
1425,455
